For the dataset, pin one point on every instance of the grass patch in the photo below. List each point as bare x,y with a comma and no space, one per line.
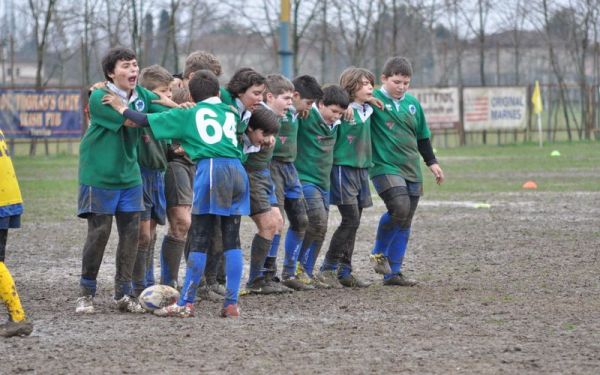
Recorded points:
488,169
49,187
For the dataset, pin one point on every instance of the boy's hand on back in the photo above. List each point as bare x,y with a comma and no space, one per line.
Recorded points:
187,105
437,173
303,114
348,114
114,101
376,102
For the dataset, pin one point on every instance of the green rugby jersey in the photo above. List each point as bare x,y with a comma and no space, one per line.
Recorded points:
353,144
108,156
315,144
206,130
394,135
259,160
152,153
286,142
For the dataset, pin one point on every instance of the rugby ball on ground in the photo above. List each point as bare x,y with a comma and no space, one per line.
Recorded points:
157,296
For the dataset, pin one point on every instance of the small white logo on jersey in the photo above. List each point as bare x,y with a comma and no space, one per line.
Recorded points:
139,105
388,107
412,109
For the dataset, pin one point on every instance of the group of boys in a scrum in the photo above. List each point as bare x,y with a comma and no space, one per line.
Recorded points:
181,147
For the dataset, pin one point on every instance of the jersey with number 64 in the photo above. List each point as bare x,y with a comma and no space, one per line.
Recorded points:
205,131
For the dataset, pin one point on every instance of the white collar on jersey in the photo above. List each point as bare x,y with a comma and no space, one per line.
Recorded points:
122,94
249,148
212,100
364,110
331,126
244,113
395,101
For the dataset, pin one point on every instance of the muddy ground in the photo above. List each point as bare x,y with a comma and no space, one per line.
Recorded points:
510,289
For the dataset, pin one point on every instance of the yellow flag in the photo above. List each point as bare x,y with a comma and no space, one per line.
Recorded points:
536,99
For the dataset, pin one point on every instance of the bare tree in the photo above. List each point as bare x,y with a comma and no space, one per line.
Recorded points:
40,32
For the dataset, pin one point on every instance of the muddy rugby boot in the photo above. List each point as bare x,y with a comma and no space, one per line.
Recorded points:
260,286
292,282
85,305
380,264
10,328
230,311
207,294
275,283
174,310
330,278
129,304
218,288
399,280
350,281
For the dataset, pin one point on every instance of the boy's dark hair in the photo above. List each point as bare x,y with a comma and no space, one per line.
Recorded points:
397,65
265,119
308,87
181,95
154,76
201,60
203,85
109,61
335,95
278,84
243,79
351,80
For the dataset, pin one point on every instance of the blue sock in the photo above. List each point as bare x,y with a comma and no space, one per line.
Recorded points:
165,272
385,233
150,274
234,266
397,250
329,265
89,285
344,270
274,246
195,268
293,241
310,259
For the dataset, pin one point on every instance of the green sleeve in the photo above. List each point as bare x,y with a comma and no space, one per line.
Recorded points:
102,114
167,125
422,128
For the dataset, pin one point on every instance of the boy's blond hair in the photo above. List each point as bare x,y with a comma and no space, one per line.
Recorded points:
201,60
351,80
154,76
277,84
181,95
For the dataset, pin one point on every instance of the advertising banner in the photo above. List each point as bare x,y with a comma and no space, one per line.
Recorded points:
46,113
441,106
494,108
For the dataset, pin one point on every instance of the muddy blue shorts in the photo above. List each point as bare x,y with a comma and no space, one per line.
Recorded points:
386,181
94,200
221,188
154,195
262,191
287,184
316,198
350,186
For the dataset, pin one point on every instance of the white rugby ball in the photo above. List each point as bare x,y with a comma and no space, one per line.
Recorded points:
157,296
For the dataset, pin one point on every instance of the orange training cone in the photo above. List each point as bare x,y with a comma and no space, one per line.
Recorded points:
530,185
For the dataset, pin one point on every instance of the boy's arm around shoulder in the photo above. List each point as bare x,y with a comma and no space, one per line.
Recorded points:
103,114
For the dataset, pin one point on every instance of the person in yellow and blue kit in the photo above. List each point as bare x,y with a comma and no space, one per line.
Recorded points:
11,208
